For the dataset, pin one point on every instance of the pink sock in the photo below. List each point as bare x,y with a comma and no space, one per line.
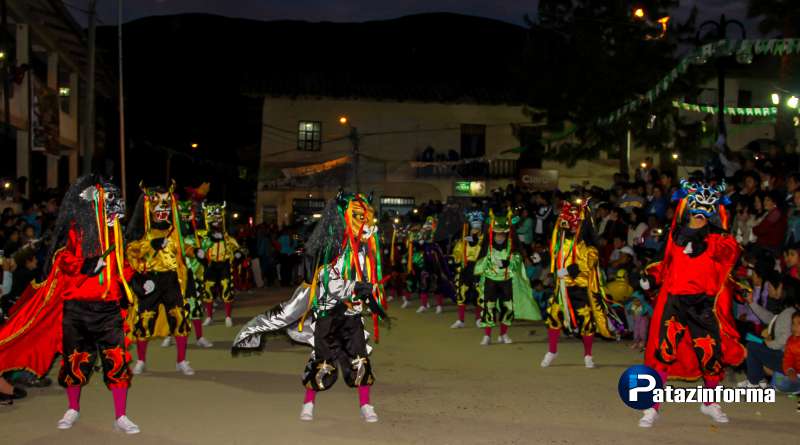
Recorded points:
228,308
587,344
439,300
663,375
423,299
120,396
141,350
209,309
363,395
461,311
74,397
181,346
710,382
487,331
198,328
311,395
477,313
552,340
503,329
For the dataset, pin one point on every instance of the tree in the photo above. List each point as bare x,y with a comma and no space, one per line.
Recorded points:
589,57
781,17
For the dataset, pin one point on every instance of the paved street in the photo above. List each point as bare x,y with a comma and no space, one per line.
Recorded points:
434,386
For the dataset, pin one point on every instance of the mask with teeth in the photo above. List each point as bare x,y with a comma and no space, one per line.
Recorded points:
702,199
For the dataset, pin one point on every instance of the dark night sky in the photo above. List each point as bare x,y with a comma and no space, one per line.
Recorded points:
363,10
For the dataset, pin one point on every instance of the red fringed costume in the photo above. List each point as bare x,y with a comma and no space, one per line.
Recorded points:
693,333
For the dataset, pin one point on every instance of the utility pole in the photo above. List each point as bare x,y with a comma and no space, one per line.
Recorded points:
355,139
122,170
88,153
4,46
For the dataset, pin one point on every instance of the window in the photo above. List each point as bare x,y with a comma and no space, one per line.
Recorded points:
309,135
473,140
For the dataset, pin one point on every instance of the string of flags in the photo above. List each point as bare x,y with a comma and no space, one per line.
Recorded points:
730,111
743,49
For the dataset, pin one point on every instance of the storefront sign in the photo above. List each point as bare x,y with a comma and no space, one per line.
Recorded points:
538,179
470,188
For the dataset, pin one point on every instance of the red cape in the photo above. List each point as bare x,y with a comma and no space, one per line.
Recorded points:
31,338
686,366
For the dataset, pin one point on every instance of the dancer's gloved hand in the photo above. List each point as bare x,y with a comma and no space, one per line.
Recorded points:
468,238
688,250
573,270
237,255
92,265
149,286
536,258
562,272
200,254
644,283
217,235
158,243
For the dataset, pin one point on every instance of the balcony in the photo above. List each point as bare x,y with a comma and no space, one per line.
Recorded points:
467,168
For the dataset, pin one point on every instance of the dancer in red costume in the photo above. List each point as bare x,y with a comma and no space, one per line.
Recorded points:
76,311
693,334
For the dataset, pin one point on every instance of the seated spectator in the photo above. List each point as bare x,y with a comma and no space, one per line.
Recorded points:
786,380
765,353
770,232
23,275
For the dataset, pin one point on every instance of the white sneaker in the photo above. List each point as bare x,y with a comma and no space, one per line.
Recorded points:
390,298
167,342
548,359
69,419
422,309
587,360
184,368
307,413
405,303
486,340
124,425
504,339
228,322
746,384
138,368
368,413
207,321
715,412
203,343
458,324
478,323
438,310
648,418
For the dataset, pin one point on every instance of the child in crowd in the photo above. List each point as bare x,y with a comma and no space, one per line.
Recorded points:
639,311
788,380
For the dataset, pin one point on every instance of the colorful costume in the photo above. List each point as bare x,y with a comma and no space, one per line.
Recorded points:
77,311
346,249
693,332
394,264
433,273
155,251
218,250
465,254
195,286
504,289
578,306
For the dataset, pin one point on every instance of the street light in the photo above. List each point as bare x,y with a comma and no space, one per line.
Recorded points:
792,102
776,98
638,13
194,145
343,120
